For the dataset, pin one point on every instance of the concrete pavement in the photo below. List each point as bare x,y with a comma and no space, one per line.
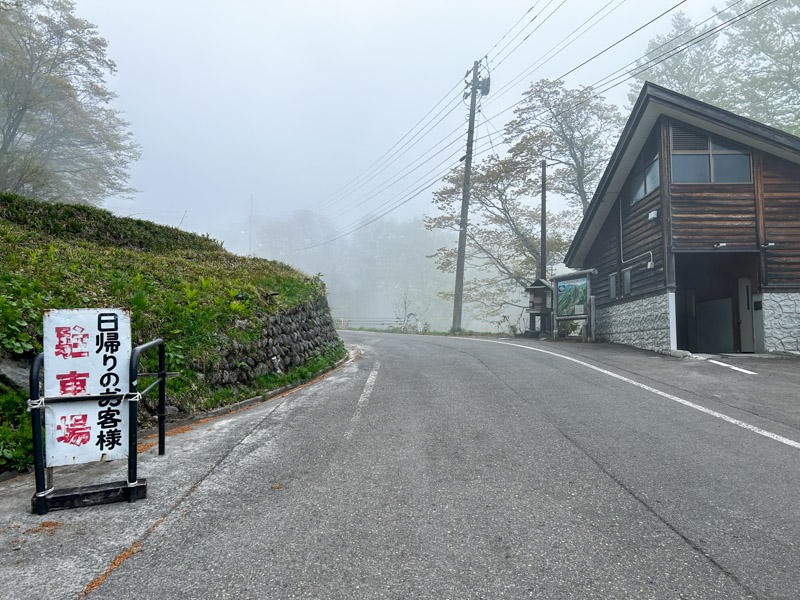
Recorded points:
464,469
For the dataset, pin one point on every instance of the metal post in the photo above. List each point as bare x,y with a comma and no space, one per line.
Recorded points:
162,399
40,500
133,431
458,295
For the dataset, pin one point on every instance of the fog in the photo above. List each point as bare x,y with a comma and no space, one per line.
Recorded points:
267,124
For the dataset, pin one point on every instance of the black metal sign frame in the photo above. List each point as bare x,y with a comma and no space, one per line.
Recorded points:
46,497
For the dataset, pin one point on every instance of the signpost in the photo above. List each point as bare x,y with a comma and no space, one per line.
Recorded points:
87,352
90,403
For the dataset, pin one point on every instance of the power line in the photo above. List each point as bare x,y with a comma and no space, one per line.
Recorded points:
519,33
401,199
587,61
670,41
555,50
392,155
380,165
653,62
345,188
497,43
547,18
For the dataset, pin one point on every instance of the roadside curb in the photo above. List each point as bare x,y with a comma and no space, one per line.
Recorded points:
352,354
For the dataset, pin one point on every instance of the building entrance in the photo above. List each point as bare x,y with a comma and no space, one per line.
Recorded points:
714,301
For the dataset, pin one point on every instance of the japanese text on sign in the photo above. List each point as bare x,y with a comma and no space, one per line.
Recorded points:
87,353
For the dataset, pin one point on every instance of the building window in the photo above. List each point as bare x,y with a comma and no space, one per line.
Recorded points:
626,282
612,286
644,177
699,158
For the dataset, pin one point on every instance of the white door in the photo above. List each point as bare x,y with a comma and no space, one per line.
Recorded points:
746,337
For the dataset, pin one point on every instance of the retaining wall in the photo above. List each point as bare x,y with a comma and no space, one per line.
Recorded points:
643,323
285,340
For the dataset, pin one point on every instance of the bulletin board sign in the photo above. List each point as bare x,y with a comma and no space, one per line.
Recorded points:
572,297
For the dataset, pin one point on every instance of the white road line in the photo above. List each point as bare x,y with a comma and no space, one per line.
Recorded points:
708,411
722,364
363,399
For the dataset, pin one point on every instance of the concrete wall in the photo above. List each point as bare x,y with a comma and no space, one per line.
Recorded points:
781,322
642,322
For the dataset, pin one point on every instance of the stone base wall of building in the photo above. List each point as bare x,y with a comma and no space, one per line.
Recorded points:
782,322
643,323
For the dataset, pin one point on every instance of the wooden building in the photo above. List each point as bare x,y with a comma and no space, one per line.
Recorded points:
694,232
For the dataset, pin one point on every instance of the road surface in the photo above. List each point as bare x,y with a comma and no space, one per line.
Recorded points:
433,467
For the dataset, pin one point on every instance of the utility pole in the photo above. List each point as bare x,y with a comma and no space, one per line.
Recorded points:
545,319
458,296
543,251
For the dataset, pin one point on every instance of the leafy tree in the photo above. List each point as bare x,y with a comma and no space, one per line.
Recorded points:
677,61
60,140
503,247
573,128
749,69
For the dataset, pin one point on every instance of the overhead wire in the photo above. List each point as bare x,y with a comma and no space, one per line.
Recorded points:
403,174
521,31
670,41
555,50
401,199
389,157
655,61
538,26
505,35
530,70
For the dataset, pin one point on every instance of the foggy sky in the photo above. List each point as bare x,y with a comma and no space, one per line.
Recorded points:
288,101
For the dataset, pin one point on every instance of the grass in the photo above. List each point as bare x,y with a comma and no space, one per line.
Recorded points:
184,288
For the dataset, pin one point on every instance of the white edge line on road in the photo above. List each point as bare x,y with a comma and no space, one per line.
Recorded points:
722,364
708,411
363,399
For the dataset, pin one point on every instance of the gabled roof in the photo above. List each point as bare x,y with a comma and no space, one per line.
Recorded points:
653,102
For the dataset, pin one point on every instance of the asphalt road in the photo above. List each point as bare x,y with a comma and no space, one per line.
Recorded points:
433,467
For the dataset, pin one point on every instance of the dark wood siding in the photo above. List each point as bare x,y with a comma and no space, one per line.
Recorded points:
604,257
641,235
709,213
781,184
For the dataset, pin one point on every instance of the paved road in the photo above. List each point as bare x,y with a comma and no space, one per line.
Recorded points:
455,468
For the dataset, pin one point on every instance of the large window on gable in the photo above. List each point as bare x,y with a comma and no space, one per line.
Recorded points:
700,158
644,177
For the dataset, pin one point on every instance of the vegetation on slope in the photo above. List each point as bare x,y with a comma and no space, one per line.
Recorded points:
180,287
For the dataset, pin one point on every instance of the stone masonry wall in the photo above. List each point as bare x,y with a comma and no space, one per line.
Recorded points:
286,340
782,322
643,323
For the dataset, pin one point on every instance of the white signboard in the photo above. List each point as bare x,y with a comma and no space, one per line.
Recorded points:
86,353
85,431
